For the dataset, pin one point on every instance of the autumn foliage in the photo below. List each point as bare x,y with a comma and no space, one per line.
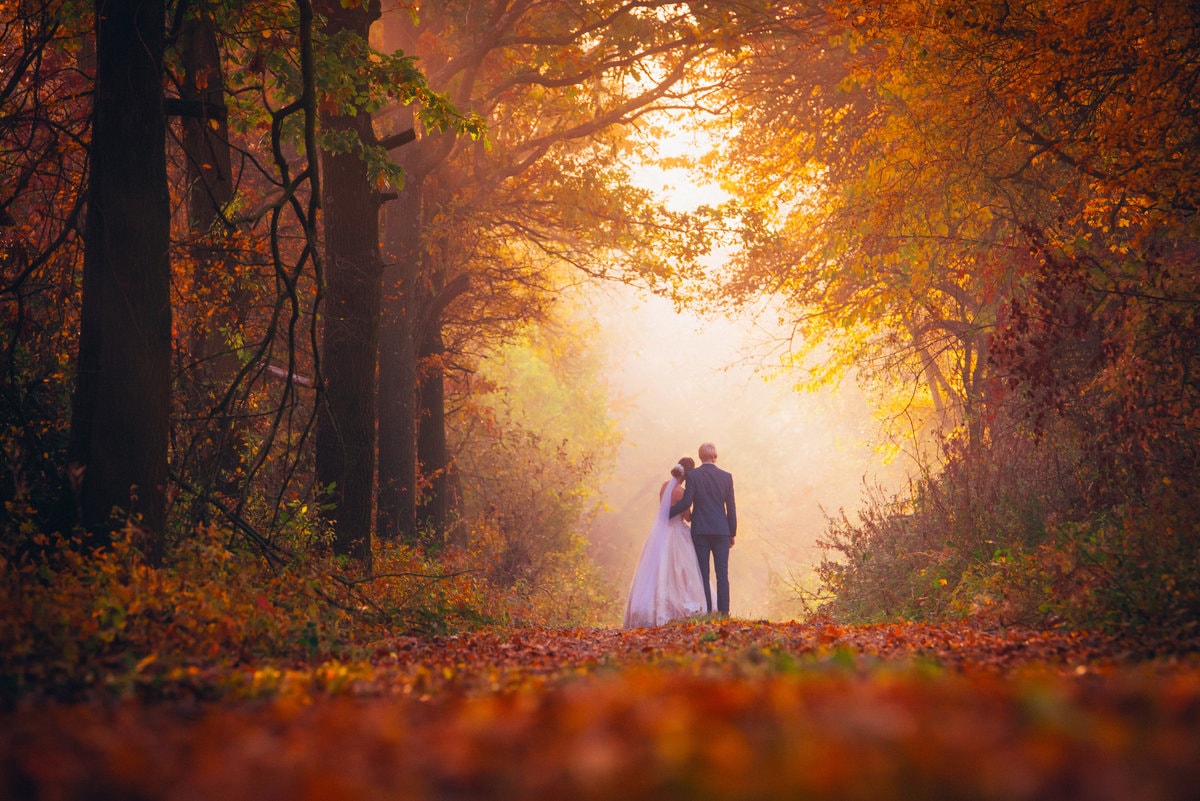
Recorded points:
733,709
986,213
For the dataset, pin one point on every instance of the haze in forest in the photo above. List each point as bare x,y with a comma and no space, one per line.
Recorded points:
678,379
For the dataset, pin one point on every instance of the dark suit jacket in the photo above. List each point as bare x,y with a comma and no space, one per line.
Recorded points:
709,493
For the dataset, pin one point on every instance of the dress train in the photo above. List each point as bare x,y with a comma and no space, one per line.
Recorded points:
667,584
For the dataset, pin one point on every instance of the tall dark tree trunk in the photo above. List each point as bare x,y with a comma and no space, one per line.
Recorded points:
413,462
121,408
415,491
210,188
398,401
345,439
397,510
205,126
438,502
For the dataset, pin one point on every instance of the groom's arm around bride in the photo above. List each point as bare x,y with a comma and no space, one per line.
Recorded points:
709,494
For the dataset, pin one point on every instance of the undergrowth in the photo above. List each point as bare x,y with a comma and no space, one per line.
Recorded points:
75,619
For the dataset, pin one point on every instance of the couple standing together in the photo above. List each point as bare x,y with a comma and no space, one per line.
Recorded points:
697,520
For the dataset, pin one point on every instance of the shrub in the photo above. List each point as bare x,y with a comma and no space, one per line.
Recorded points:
74,618
1005,535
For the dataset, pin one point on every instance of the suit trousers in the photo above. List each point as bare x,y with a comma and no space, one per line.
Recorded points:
718,546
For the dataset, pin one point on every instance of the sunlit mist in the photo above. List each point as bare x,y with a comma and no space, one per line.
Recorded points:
677,380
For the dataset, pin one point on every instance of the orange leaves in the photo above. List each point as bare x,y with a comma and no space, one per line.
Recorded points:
706,709
645,728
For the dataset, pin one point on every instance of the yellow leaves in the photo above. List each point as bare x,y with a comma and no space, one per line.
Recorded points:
972,127
266,680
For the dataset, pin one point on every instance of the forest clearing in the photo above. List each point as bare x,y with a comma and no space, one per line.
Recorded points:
716,709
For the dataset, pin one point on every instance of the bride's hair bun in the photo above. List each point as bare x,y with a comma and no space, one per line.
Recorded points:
678,471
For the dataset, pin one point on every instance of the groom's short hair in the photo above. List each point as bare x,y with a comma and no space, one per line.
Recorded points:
708,452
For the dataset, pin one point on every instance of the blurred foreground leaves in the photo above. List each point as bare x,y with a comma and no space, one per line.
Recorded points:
699,710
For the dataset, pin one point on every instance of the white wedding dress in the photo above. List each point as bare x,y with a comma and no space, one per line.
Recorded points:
667,585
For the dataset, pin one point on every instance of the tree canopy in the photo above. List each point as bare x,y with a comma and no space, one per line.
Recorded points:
987,215
996,206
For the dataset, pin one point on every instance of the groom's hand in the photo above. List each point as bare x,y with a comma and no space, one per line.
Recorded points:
732,537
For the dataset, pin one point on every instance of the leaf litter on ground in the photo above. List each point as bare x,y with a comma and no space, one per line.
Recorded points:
708,709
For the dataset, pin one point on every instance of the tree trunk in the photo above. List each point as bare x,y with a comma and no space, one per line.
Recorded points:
397,511
345,439
205,125
210,188
396,516
439,502
121,408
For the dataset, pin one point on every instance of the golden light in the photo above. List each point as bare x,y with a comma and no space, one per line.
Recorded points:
677,379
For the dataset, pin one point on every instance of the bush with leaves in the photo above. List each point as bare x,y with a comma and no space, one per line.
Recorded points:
1019,533
75,618
950,545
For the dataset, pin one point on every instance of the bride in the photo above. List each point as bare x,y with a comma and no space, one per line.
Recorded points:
667,584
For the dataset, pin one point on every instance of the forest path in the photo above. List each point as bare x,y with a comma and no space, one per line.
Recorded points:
724,709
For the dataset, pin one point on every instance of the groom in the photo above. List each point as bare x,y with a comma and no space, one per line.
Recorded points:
709,494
